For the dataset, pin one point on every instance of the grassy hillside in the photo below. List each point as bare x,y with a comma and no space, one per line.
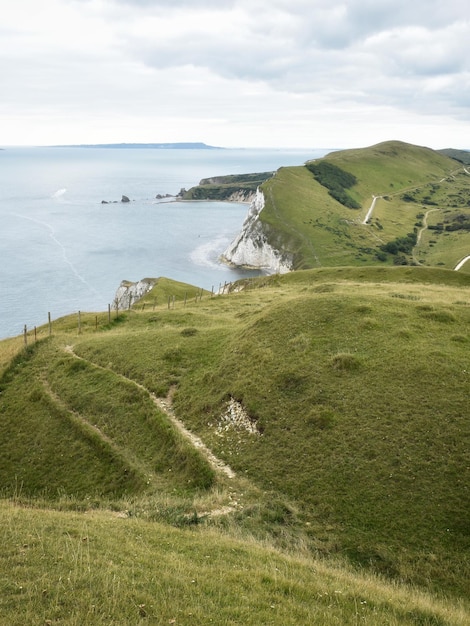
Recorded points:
95,569
326,435
305,217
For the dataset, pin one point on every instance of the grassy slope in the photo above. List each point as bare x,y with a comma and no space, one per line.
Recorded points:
319,231
357,379
71,569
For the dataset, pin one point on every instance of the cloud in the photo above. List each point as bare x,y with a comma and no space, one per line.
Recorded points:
242,63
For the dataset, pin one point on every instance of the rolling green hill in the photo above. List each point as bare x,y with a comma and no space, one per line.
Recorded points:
301,444
416,189
295,451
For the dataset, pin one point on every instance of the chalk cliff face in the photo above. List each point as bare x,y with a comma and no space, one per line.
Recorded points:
251,248
242,196
128,293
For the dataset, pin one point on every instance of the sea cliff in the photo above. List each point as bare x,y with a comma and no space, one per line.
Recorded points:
251,248
128,293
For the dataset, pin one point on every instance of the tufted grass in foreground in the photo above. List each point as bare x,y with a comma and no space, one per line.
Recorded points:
74,569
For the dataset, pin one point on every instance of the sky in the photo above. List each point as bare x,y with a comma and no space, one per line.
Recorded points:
236,73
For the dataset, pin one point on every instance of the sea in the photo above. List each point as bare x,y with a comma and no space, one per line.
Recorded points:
64,250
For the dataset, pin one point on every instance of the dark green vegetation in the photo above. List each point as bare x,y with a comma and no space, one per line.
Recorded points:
221,188
336,180
353,457
310,216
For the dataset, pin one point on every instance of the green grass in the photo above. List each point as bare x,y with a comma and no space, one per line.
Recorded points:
356,380
338,396
300,216
70,569
85,431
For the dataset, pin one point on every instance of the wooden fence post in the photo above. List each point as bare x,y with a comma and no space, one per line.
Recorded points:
49,323
25,334
109,314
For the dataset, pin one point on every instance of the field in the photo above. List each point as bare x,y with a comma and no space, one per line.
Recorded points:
295,451
305,218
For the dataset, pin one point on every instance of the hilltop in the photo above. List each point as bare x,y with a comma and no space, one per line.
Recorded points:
392,204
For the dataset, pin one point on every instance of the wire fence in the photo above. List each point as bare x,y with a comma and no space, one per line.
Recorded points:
31,335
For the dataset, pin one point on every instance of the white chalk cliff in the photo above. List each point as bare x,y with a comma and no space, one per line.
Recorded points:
128,293
251,249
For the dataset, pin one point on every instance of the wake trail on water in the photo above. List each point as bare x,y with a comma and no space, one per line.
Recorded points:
65,258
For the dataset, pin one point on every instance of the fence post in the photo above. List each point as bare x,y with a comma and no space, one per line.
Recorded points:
109,314
35,334
49,323
79,323
25,333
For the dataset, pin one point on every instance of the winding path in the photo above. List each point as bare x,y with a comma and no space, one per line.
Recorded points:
365,221
461,263
165,405
371,209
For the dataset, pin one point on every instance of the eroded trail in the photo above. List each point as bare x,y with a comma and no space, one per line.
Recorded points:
461,263
165,405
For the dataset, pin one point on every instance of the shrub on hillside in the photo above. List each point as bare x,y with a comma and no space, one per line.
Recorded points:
400,244
336,181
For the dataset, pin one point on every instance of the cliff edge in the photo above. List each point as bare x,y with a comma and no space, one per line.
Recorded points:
128,292
251,249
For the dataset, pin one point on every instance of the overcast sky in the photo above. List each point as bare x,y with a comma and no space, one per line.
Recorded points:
235,73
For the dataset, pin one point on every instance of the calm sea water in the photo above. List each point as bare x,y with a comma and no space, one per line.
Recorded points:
62,250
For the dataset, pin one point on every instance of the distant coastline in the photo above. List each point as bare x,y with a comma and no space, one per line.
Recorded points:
153,146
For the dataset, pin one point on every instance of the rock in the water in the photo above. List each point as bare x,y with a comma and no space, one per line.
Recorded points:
125,199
